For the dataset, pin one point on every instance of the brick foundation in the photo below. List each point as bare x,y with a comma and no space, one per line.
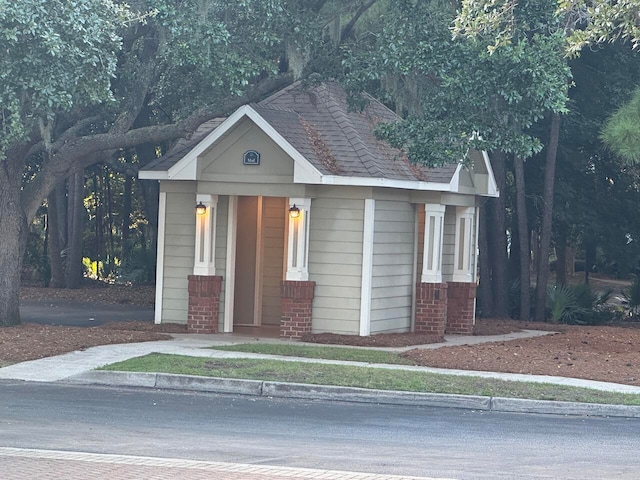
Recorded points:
204,303
461,307
296,298
431,308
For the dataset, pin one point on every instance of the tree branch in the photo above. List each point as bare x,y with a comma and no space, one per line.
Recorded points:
348,29
69,155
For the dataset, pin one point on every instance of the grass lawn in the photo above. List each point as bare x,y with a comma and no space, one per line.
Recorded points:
330,353
364,377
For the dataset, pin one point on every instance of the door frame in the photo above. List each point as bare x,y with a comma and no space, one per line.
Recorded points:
230,267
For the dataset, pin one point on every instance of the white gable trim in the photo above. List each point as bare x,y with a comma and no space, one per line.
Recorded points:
492,187
187,167
153,175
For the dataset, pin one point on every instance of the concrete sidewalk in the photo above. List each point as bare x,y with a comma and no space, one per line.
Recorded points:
78,367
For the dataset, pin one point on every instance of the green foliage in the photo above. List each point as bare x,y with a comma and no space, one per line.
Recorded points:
586,22
631,296
578,305
57,55
621,131
453,90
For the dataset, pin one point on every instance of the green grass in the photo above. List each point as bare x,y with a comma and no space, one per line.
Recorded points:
329,353
364,377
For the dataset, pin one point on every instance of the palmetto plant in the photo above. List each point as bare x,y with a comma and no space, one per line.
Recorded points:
563,306
631,297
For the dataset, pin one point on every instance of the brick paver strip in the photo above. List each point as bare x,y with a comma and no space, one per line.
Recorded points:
22,463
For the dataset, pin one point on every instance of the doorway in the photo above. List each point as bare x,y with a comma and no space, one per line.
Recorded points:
259,262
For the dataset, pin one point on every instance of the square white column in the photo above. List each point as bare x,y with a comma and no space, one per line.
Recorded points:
205,251
462,254
433,241
298,240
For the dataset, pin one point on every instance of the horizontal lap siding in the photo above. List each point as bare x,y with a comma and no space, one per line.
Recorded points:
274,215
392,275
179,247
335,263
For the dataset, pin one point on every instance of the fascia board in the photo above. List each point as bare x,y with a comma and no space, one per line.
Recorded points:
385,182
153,175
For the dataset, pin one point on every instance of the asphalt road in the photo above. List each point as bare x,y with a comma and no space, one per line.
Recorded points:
80,314
325,435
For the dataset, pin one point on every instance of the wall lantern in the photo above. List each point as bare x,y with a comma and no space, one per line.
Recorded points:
294,212
201,208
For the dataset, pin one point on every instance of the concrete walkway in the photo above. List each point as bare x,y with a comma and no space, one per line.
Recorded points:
79,368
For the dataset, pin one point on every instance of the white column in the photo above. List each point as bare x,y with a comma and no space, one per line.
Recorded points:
462,255
433,240
298,241
205,253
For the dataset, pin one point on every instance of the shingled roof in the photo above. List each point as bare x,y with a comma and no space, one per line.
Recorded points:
317,122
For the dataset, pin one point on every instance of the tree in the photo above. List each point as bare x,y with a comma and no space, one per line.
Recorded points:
107,78
451,89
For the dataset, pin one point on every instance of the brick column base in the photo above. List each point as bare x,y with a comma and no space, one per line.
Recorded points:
431,308
296,298
461,307
204,303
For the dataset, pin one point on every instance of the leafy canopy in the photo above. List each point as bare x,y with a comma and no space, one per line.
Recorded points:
55,55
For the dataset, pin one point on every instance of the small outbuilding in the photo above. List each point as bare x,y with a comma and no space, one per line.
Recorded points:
291,216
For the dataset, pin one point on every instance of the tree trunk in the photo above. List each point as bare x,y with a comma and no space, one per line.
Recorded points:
13,238
497,238
523,234
76,216
561,259
485,291
547,218
55,260
126,218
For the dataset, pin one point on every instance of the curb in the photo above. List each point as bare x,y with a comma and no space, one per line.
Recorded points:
167,381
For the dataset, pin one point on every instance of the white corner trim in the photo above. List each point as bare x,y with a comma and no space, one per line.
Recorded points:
162,218
454,185
230,267
367,266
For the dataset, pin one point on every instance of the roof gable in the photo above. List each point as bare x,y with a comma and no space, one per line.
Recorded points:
328,142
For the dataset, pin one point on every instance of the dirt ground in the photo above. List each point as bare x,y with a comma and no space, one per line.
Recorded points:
606,353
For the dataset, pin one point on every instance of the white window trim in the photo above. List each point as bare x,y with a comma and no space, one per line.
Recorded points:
463,245
436,212
298,241
205,251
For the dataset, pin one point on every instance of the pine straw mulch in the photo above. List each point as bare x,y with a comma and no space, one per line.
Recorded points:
94,292
29,341
604,353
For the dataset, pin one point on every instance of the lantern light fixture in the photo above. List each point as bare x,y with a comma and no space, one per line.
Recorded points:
201,208
294,212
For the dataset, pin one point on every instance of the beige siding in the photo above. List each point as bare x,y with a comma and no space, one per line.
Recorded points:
335,261
449,242
274,211
223,163
179,250
393,256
